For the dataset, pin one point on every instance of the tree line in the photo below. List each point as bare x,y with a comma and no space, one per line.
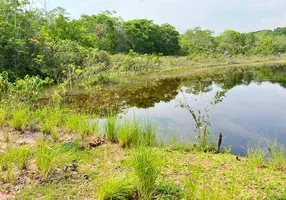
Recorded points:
35,41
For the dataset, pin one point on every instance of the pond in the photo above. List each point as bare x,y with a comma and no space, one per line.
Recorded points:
254,108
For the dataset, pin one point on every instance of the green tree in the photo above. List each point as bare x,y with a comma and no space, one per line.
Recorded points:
230,42
198,41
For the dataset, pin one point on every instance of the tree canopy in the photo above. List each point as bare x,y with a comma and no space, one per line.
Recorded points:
35,41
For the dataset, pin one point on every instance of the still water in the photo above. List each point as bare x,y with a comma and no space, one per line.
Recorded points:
254,109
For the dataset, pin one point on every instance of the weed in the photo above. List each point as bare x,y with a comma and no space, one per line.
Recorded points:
6,135
110,129
15,156
277,155
46,158
202,119
20,118
147,170
116,189
136,133
169,191
3,115
149,134
256,155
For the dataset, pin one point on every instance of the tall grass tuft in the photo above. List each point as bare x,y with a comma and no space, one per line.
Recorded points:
3,116
15,156
20,118
136,133
116,189
110,131
256,155
46,158
147,170
149,134
277,155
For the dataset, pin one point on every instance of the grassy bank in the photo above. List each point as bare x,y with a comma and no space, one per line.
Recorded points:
50,150
49,153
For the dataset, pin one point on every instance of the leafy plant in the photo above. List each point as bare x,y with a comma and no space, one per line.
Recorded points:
202,118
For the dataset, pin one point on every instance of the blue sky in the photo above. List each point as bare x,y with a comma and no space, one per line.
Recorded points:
217,15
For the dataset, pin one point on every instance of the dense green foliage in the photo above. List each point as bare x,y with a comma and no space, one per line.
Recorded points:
50,44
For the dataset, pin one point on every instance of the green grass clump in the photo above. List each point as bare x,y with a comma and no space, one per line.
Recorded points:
110,131
256,155
147,170
149,134
15,156
47,158
277,155
3,116
136,133
169,191
81,124
125,134
20,118
116,189
50,119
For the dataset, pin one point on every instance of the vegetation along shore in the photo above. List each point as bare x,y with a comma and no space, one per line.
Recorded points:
65,85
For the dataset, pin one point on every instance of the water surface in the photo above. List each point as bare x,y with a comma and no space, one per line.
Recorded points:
254,108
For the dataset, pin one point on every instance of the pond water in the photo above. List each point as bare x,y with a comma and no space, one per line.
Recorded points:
254,108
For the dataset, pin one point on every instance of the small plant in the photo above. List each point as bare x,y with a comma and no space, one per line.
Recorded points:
147,170
169,191
6,135
10,175
116,189
20,118
202,119
110,129
256,155
277,155
15,156
149,134
83,128
3,115
46,158
125,134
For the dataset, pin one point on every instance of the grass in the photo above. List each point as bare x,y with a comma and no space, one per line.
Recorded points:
3,115
116,189
277,155
68,171
147,169
20,118
110,131
256,155
133,133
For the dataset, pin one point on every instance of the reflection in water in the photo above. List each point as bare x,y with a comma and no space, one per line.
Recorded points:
254,108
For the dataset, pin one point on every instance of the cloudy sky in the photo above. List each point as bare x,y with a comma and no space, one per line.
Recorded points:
217,15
